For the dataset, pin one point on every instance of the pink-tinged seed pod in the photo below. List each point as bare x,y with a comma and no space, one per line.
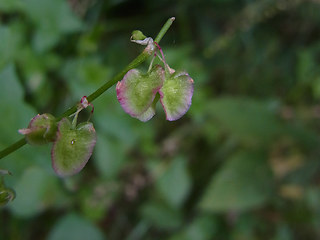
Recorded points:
176,95
41,129
136,92
6,195
72,148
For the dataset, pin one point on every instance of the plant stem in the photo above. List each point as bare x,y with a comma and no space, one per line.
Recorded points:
13,147
164,29
136,62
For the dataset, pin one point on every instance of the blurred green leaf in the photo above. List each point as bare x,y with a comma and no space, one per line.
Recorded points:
248,119
36,191
44,39
283,232
244,182
53,18
110,156
202,227
161,216
112,120
97,198
85,75
174,184
10,38
10,5
244,226
194,66
257,87
74,227
307,67
15,113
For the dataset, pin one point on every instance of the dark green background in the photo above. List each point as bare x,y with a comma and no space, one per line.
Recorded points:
243,163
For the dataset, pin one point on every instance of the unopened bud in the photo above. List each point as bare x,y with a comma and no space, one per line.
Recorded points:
41,130
137,35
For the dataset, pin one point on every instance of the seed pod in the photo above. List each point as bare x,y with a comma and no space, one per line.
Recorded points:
41,129
176,94
6,195
72,147
137,35
136,92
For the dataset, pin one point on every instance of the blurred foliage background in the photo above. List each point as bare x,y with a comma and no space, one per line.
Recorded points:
244,163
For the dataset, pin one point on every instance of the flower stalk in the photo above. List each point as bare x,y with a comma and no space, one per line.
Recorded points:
136,62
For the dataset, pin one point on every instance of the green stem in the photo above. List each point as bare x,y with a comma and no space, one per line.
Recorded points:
13,147
136,62
164,29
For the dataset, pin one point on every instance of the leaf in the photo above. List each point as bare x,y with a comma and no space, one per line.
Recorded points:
244,182
248,119
52,18
84,74
74,227
10,44
72,148
161,216
110,156
10,5
202,227
14,112
175,183
36,191
119,125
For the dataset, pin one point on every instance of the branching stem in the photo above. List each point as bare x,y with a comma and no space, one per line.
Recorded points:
136,62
